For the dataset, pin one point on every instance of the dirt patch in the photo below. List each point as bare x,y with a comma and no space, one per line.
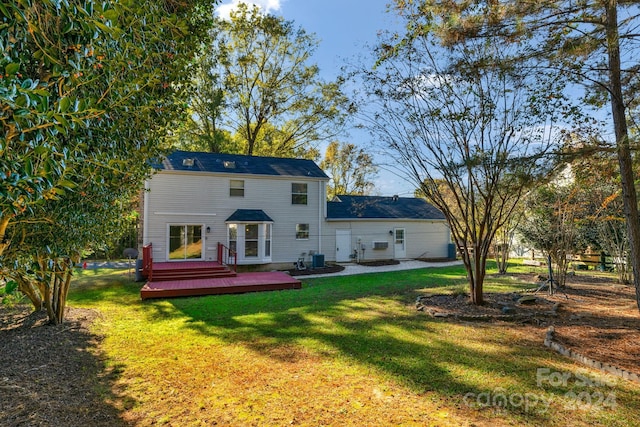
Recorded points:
592,316
52,375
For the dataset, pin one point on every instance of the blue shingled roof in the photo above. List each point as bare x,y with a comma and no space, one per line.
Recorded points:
372,207
249,215
235,163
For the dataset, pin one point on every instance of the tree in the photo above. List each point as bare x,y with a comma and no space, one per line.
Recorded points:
274,100
48,244
503,242
88,91
602,226
202,129
550,224
607,227
473,139
590,42
351,169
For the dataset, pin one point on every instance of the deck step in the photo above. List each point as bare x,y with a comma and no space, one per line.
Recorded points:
190,274
240,283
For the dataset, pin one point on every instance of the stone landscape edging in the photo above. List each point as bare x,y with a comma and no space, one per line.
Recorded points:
484,317
594,364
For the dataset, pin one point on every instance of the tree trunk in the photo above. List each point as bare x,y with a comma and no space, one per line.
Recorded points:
502,256
478,261
627,176
4,241
31,291
63,279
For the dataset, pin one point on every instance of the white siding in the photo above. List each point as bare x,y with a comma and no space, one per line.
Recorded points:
423,239
200,198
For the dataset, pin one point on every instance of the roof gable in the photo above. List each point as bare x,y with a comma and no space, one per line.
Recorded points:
239,164
372,207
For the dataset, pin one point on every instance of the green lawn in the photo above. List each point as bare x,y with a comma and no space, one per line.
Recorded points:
348,350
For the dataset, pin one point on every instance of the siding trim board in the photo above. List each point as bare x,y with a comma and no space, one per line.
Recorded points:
185,213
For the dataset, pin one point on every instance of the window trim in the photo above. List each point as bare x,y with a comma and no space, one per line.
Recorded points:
268,232
297,197
255,239
300,234
236,189
184,235
264,239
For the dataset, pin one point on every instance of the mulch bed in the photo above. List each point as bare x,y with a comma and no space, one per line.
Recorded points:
379,262
334,268
592,316
52,375
329,268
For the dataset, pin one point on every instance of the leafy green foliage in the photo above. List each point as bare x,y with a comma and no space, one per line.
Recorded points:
9,294
257,85
350,168
88,91
550,223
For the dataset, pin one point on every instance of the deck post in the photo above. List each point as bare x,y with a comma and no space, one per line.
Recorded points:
147,261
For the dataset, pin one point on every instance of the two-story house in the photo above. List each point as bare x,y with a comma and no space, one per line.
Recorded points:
271,211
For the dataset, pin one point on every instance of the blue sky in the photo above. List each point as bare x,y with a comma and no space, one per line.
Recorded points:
344,28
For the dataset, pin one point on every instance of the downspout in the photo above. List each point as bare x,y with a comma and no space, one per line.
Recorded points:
320,214
145,214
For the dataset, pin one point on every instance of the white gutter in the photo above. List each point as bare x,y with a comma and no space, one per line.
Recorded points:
321,198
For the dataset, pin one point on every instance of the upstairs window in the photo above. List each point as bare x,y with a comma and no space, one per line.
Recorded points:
236,188
298,194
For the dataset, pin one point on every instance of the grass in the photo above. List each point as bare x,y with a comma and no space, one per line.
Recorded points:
348,350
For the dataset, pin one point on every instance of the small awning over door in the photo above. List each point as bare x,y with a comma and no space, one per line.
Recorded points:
249,215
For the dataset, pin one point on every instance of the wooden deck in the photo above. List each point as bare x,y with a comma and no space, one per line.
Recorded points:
200,278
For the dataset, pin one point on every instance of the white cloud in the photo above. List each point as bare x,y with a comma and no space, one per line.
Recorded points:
267,6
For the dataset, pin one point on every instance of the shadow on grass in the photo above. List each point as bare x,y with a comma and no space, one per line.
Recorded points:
53,375
104,284
370,321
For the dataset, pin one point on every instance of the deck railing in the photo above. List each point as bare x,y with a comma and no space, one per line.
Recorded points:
227,257
147,261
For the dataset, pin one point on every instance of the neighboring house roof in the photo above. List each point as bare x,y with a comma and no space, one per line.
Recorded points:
372,207
239,164
249,215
